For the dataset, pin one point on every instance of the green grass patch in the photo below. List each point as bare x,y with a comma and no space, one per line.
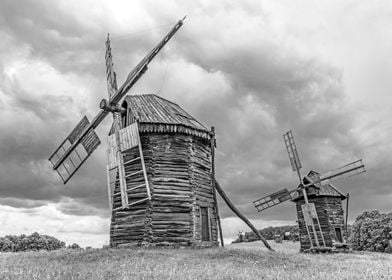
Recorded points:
239,261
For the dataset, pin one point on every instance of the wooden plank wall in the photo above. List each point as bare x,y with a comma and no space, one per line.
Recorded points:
172,192
201,167
178,168
335,215
131,226
330,213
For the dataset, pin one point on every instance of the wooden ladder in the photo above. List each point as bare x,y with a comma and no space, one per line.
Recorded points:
313,227
129,179
319,241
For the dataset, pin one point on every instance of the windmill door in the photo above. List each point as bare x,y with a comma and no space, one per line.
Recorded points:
205,224
338,233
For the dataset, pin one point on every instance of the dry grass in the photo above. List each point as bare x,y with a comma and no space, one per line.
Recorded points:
240,261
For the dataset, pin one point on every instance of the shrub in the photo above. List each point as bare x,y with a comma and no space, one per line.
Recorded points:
372,231
33,242
270,232
74,246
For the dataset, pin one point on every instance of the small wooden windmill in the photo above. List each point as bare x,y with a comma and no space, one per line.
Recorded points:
319,209
161,169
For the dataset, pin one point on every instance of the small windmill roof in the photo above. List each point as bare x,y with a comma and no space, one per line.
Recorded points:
158,114
326,189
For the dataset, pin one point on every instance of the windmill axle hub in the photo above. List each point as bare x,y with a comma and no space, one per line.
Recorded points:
106,106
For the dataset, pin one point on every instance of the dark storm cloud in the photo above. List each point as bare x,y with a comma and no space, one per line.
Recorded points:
268,87
295,92
70,42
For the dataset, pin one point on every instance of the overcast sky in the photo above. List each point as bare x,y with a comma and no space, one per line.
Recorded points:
253,69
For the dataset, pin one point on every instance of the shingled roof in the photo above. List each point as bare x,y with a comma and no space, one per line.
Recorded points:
157,114
319,189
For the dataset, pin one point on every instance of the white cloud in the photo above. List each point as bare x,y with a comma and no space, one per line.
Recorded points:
48,219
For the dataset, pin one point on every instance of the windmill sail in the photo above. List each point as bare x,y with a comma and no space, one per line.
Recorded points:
272,199
114,141
348,170
110,74
63,158
85,147
292,151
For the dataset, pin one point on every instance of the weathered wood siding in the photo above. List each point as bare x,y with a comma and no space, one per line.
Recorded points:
179,173
330,213
335,214
132,226
172,192
201,179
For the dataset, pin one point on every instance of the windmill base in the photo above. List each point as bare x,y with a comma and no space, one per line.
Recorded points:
319,250
167,245
338,248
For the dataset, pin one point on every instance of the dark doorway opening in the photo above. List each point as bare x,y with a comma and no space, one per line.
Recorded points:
205,225
338,233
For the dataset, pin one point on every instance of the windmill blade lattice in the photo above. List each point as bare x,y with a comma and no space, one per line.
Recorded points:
83,149
272,199
292,151
345,171
65,155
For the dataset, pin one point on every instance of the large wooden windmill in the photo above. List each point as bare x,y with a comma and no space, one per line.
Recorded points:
160,170
318,202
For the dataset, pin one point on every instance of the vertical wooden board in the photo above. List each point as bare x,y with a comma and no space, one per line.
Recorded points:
112,149
110,191
120,136
129,137
135,134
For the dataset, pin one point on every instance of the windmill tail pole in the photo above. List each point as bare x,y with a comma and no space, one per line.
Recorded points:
240,215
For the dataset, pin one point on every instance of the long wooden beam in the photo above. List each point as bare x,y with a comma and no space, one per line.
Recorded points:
213,144
240,215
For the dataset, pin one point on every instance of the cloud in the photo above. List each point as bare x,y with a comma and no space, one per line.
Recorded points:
84,230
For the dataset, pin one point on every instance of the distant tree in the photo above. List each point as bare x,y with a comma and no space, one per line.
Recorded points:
269,233
74,246
33,242
6,245
372,231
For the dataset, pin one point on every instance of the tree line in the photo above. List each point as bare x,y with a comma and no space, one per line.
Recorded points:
33,242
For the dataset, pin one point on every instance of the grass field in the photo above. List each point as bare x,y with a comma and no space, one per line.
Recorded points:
239,261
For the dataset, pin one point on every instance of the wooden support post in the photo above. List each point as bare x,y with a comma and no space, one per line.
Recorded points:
110,196
240,215
348,197
120,160
213,145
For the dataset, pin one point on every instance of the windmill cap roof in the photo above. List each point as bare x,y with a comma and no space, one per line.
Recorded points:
153,109
326,189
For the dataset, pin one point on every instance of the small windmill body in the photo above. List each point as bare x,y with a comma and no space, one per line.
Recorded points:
327,201
160,169
319,208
